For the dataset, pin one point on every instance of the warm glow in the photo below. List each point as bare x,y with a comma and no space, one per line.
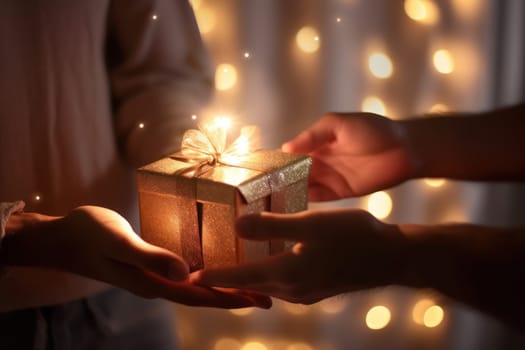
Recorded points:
435,182
225,77
205,19
195,4
296,309
37,198
418,312
193,117
227,344
338,20
443,61
380,204
380,65
141,125
222,122
299,346
378,317
254,346
433,316
246,55
439,108
424,11
333,305
373,105
243,311
308,39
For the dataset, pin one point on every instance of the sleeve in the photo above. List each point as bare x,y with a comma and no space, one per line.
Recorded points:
6,209
160,74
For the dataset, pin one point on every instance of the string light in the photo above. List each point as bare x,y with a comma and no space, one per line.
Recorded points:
338,19
308,39
246,55
193,117
154,17
141,125
443,61
38,198
380,204
225,77
377,317
380,65
424,11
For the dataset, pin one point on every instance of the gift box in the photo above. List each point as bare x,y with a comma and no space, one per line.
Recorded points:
190,206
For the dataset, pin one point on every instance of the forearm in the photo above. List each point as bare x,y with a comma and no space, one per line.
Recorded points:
479,266
22,288
485,146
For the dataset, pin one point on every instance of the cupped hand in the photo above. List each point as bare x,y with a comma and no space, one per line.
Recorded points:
98,243
353,154
336,251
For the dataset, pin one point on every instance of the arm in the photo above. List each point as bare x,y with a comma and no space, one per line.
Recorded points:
160,75
479,266
485,146
99,244
359,153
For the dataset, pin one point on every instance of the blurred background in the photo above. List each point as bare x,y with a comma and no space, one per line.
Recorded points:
281,64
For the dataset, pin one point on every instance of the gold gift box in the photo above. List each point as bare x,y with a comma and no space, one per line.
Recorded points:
192,213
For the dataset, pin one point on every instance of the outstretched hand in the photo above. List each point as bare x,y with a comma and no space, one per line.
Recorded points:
99,243
337,251
353,154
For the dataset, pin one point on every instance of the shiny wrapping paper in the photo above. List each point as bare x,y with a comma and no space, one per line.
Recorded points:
193,214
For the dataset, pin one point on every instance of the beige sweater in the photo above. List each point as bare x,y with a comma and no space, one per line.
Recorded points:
77,80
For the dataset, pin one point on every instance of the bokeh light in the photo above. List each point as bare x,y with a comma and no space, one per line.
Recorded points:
377,317
333,305
424,11
419,309
308,39
443,61
227,344
439,108
299,346
433,316
254,346
245,311
434,182
380,204
380,65
373,104
225,77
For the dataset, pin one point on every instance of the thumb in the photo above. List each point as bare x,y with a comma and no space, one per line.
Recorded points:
268,226
155,259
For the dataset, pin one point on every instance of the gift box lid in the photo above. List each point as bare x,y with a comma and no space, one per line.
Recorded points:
254,176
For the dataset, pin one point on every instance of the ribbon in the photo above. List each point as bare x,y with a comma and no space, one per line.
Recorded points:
208,146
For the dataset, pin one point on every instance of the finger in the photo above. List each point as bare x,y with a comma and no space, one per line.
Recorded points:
321,193
265,226
148,285
322,132
246,276
152,258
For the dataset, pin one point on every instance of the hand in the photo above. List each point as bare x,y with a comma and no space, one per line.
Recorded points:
99,243
353,154
337,251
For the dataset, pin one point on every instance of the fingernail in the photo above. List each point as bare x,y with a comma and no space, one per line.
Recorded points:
177,271
286,147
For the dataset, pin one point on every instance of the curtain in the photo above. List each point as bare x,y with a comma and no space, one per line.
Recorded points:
393,57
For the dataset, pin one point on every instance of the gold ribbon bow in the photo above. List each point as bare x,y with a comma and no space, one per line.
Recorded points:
208,146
